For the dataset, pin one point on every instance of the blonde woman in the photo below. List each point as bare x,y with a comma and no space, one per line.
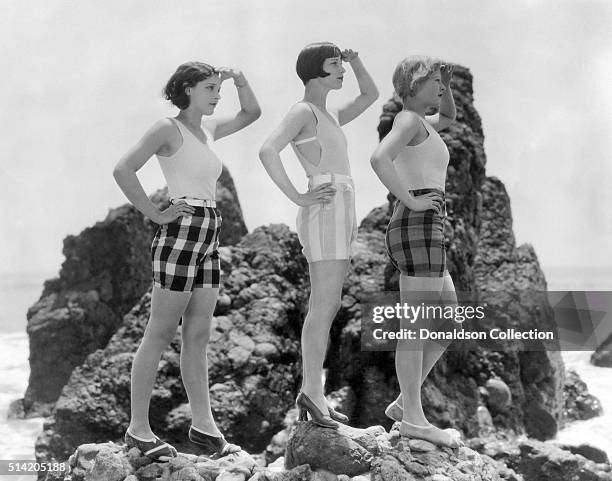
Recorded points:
411,161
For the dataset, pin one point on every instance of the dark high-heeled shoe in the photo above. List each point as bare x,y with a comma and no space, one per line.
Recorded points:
337,416
305,405
213,446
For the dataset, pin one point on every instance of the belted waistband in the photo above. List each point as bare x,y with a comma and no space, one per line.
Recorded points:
195,202
330,177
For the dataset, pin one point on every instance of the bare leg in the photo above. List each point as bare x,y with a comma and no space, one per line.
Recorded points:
166,310
326,279
409,354
197,323
409,367
432,351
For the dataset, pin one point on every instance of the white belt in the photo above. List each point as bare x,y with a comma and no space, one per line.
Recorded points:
195,202
330,177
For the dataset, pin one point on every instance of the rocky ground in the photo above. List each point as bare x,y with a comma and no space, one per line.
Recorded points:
372,454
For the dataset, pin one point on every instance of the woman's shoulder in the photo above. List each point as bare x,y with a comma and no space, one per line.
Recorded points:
165,128
299,112
406,120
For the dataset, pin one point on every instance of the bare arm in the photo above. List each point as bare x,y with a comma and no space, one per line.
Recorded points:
447,114
269,154
133,160
367,88
249,107
405,127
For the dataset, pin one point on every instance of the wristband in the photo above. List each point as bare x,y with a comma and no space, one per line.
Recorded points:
241,86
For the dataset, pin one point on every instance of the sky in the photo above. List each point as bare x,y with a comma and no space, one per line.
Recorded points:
82,82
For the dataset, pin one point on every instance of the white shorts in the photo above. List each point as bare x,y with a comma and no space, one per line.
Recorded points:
327,231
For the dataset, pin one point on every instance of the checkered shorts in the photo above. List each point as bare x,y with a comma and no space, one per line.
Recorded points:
185,252
415,240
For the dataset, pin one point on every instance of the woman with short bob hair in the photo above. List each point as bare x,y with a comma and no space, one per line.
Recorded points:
411,161
184,252
326,222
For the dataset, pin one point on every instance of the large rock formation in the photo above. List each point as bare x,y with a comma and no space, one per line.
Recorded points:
106,272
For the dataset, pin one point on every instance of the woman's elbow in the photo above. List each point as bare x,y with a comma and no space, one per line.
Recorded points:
375,162
117,171
264,152
375,94
253,114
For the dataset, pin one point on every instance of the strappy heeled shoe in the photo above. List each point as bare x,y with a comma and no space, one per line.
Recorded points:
154,449
213,446
305,405
434,436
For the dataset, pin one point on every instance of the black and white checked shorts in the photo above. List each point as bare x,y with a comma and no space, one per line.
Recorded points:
185,252
415,240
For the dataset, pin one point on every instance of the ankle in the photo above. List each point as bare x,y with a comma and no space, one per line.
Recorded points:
140,429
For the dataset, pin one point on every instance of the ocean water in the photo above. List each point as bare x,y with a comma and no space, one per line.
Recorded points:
20,291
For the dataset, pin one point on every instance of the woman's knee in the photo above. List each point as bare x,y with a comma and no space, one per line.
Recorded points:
199,339
326,305
195,334
159,335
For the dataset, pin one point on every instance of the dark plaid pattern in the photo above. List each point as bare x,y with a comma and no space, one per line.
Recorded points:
415,240
185,252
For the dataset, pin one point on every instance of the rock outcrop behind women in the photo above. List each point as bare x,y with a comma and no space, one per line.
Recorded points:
106,272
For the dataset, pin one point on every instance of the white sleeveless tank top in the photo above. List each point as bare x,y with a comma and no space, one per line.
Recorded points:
423,166
192,171
331,139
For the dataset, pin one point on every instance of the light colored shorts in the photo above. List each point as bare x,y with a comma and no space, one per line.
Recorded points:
327,231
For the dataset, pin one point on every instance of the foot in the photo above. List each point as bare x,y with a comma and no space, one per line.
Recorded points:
212,444
318,416
395,411
153,448
337,416
430,433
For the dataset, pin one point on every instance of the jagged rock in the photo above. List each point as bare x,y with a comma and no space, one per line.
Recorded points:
498,394
112,462
540,461
16,410
106,271
265,280
602,356
590,452
338,451
579,404
510,277
345,452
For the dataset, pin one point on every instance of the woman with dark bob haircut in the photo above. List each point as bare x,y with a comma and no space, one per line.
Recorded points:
326,222
185,257
411,161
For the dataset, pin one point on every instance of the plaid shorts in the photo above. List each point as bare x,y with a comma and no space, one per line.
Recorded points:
415,240
185,252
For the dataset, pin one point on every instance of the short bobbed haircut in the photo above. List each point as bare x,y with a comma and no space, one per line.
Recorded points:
412,72
309,63
186,75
